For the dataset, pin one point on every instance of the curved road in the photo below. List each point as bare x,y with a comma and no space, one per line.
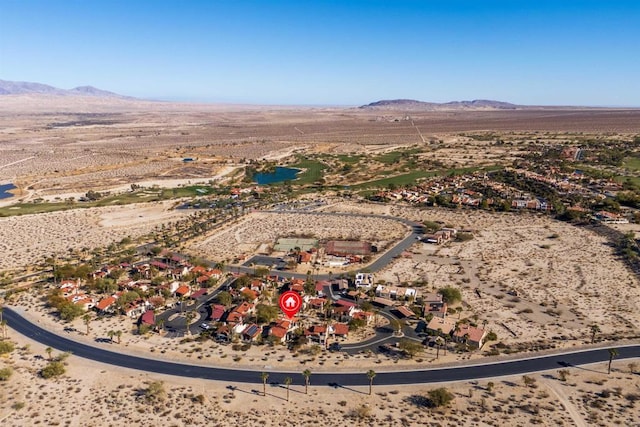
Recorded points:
514,367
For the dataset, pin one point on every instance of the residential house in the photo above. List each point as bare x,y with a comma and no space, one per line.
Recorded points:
240,313
183,291
364,280
434,305
404,311
148,318
217,312
473,336
441,325
106,305
251,332
339,329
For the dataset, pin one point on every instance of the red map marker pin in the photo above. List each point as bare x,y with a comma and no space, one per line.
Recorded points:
290,303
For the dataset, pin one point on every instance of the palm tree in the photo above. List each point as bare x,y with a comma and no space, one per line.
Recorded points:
306,374
110,334
613,352
87,319
371,374
287,382
264,376
118,334
594,330
190,316
326,306
49,350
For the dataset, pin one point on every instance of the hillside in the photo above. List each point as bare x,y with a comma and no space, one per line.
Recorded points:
411,104
29,88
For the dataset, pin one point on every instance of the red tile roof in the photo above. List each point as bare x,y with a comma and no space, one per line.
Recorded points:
148,317
182,290
474,334
217,311
105,303
278,331
198,293
341,329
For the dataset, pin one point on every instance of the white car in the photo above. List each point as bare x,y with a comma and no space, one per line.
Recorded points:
205,326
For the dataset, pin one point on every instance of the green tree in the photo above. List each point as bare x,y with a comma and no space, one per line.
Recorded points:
266,313
307,375
69,311
287,382
371,374
410,347
264,377
450,295
118,335
613,352
224,298
110,334
49,351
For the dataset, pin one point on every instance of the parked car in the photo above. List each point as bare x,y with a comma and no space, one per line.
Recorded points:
205,326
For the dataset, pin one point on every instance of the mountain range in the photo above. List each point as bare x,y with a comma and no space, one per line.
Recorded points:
414,105
29,88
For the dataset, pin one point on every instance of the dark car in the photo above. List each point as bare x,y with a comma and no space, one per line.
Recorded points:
335,347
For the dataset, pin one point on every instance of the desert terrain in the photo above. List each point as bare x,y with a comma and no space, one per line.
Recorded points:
538,283
576,397
30,238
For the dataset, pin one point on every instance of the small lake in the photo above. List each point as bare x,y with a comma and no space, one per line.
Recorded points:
279,175
4,190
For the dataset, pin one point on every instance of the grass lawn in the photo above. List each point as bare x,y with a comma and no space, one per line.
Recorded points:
141,196
632,163
312,170
395,156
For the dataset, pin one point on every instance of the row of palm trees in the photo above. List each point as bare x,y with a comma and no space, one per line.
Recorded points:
264,376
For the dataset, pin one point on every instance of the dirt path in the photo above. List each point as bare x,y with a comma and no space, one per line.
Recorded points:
562,398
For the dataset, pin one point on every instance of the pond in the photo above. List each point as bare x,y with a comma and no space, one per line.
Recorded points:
279,175
4,190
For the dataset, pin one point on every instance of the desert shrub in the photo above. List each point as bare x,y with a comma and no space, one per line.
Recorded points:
6,347
440,397
155,391
5,374
362,411
464,237
53,369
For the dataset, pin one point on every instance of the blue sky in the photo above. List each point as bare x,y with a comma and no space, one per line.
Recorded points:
330,52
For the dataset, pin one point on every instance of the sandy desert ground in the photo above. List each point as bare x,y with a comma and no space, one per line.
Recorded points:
258,228
29,238
94,394
549,264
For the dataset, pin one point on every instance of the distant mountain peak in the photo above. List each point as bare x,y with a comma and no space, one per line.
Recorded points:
21,88
412,104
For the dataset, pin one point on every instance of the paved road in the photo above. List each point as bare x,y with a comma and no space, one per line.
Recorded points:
33,331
